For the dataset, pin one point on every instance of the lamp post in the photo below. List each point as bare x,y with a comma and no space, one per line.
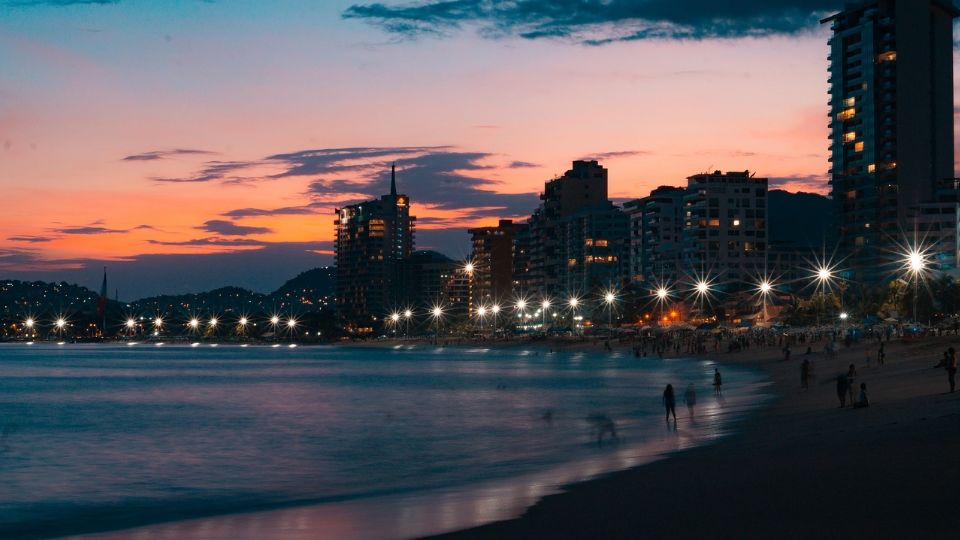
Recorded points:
406,315
495,310
609,298
574,303
544,306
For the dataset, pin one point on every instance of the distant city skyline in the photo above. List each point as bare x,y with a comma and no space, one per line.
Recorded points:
201,144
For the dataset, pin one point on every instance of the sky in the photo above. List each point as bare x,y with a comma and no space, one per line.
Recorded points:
193,144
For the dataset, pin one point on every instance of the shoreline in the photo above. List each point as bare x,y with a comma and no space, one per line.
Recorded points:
483,501
800,467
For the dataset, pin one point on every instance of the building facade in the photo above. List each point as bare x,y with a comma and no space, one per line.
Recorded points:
373,239
574,209
656,229
493,262
725,228
891,124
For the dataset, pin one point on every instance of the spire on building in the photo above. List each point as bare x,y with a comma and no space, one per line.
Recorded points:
393,179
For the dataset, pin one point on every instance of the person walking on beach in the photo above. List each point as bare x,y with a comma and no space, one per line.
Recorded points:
717,382
851,380
952,369
842,385
670,404
690,396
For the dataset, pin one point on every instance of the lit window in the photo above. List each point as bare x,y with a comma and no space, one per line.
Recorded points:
571,262
849,102
871,168
600,243
714,222
588,242
887,56
858,147
846,114
852,194
736,223
849,136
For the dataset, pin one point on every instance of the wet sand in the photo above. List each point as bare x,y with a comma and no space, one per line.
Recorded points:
801,468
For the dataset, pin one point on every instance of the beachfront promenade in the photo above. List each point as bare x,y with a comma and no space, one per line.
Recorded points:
801,468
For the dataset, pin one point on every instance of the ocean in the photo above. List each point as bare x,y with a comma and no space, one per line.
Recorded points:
261,442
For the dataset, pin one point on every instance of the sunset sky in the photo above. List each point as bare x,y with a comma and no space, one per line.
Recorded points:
189,145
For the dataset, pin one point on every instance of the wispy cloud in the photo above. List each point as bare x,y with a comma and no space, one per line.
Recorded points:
164,154
229,228
603,156
595,22
89,230
32,239
263,212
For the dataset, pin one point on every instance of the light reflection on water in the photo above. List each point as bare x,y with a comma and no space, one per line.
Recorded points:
422,440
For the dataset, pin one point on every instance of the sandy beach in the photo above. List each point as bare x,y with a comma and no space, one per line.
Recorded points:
801,468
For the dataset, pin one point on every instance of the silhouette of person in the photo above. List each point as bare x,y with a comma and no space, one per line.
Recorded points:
952,369
690,396
717,382
863,401
670,404
842,389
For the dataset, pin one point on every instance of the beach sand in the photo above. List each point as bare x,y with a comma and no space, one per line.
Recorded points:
801,468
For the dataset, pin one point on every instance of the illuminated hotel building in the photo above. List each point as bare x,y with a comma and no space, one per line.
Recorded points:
373,240
891,124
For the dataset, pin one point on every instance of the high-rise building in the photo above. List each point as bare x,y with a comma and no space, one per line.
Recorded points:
656,227
725,228
425,274
373,238
574,205
493,262
891,123
596,249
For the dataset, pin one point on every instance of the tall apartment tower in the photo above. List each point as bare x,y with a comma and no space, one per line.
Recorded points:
373,239
581,189
493,262
725,228
891,123
656,225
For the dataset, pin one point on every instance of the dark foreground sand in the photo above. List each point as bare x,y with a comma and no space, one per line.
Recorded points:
802,468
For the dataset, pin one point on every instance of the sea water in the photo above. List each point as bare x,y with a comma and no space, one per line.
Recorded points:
336,441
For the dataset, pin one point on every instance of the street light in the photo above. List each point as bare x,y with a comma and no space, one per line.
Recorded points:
610,298
544,306
495,309
407,313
